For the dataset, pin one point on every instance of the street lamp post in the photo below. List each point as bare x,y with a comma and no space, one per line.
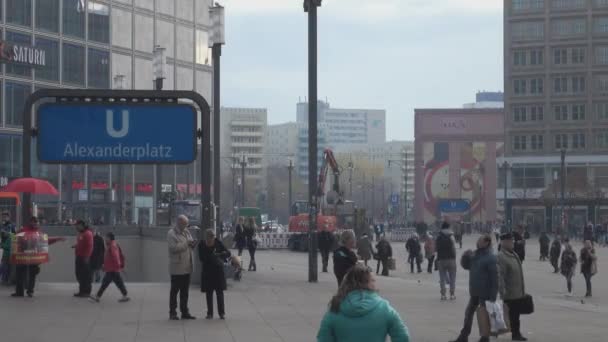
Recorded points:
505,166
217,39
563,187
160,66
290,169
243,163
310,6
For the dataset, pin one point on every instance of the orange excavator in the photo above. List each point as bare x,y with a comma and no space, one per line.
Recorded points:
331,204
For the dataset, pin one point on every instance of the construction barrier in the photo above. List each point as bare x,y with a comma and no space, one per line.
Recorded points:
274,240
400,235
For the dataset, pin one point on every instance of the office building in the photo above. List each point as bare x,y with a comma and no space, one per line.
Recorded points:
85,44
486,99
556,98
281,144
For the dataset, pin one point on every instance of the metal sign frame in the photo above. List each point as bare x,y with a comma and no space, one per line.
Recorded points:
95,96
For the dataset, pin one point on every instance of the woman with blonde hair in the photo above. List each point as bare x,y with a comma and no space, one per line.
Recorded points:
358,314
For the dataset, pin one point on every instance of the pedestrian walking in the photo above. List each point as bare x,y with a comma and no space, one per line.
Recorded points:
458,233
239,236
520,242
326,241
544,242
83,249
412,246
555,252
213,255
483,284
446,260
252,244
429,251
25,274
357,313
385,252
97,257
588,265
7,225
5,265
344,257
181,244
588,233
568,264
113,264
511,284
365,250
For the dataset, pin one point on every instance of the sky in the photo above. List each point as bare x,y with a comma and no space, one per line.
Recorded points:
396,55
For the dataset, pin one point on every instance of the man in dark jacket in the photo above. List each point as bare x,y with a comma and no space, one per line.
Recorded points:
99,249
412,246
483,284
213,254
385,252
520,243
446,260
344,257
554,253
326,242
544,246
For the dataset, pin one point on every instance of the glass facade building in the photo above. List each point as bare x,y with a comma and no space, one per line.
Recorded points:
86,44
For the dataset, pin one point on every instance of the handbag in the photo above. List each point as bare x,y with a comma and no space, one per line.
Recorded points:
525,305
392,264
496,315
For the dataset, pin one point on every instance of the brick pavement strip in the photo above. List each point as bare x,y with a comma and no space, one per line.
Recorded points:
277,304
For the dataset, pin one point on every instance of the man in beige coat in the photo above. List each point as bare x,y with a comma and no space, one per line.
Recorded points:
181,244
511,282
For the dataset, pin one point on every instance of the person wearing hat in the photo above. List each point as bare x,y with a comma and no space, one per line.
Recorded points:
511,282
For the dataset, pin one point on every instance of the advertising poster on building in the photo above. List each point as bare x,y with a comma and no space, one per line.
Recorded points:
472,158
436,178
30,248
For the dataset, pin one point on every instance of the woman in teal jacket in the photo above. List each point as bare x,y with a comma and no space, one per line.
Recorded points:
358,314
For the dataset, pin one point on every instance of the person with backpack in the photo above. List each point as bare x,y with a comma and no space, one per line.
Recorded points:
113,264
446,260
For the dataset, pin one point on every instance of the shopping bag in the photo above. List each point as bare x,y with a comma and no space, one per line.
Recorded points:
483,320
496,316
392,264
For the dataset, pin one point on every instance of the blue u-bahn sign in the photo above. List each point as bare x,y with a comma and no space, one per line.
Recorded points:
454,205
116,133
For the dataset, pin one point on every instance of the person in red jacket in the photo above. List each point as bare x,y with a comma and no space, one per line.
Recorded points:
83,249
113,263
26,274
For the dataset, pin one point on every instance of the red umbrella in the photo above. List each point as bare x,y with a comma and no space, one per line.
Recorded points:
32,186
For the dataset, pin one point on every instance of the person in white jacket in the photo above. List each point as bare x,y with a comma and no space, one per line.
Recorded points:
181,244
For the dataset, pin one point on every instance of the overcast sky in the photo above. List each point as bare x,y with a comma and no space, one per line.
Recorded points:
382,54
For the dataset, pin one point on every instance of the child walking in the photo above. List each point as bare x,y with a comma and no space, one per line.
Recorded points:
113,263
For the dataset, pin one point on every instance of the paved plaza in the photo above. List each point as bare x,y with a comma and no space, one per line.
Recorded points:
277,304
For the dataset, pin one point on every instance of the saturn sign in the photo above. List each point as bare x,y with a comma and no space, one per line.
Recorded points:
21,54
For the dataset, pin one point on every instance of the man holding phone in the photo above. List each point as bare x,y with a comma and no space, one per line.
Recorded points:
181,245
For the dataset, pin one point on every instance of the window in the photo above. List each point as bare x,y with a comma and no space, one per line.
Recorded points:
50,72
601,139
600,25
519,143
560,85
519,58
560,56
73,18
578,55
561,112
527,31
99,22
561,141
536,57
519,87
73,64
536,142
99,69
578,140
47,15
578,84
601,55
601,110
536,113
536,86
15,94
13,68
568,4
600,3
578,112
522,5
19,12
10,149
519,114
568,27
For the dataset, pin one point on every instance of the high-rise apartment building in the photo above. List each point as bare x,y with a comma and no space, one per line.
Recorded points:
281,143
556,98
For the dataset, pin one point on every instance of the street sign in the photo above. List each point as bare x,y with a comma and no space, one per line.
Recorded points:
113,133
395,199
454,205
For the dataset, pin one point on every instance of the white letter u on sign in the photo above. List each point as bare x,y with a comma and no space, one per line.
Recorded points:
124,129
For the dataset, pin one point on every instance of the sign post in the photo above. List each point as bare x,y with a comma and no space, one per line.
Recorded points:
118,126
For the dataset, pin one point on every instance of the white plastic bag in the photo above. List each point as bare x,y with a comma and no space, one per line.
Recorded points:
497,319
